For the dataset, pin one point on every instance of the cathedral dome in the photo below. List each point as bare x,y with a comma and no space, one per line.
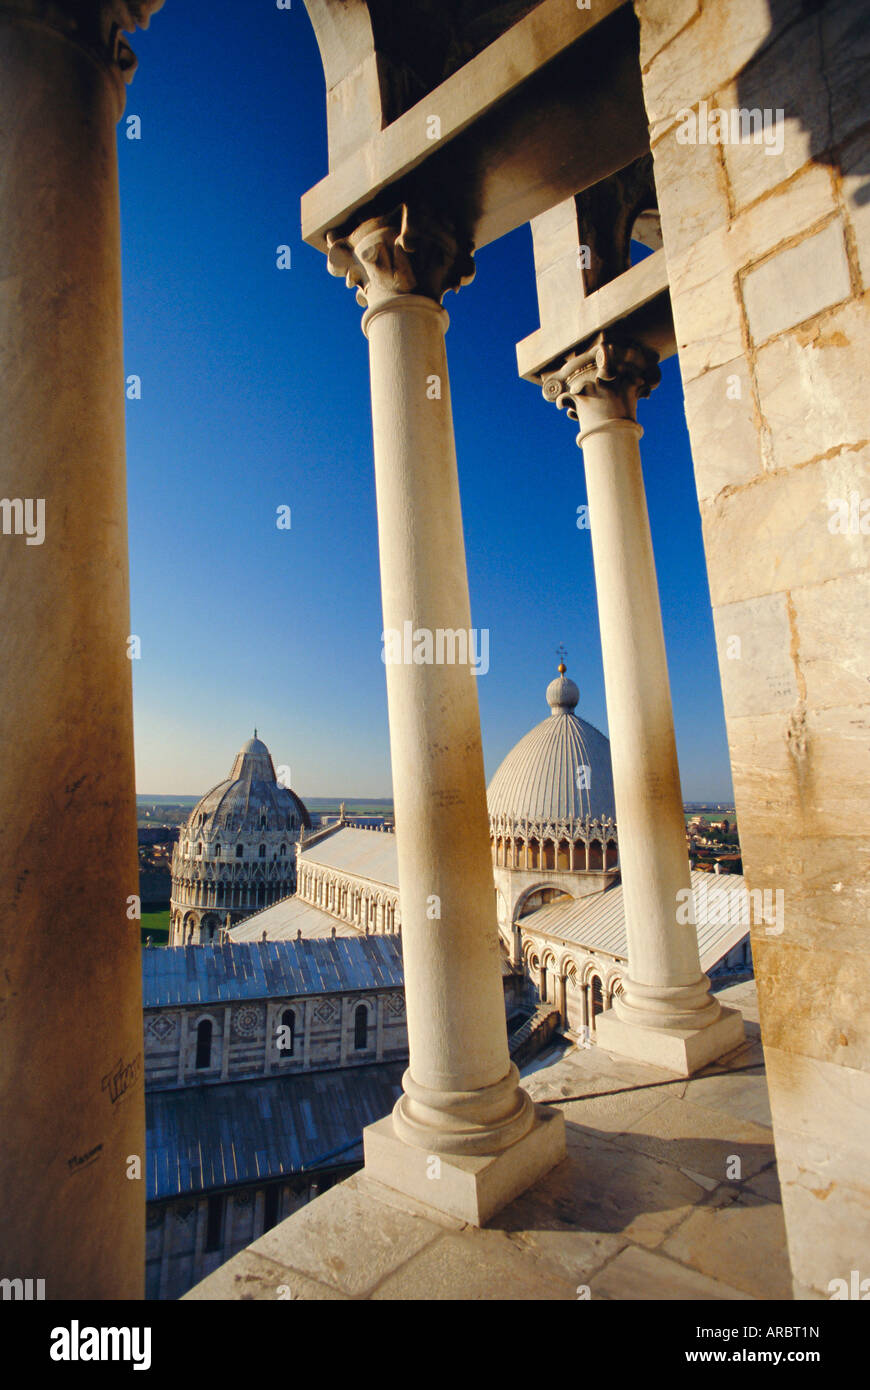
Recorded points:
560,771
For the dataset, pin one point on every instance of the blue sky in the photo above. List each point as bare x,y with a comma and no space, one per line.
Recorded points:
255,395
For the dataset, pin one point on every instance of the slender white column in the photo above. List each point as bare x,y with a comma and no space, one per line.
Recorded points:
666,989
461,1091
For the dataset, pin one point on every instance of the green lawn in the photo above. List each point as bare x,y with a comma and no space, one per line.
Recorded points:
156,925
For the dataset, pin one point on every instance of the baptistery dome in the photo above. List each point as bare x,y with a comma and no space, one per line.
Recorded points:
237,851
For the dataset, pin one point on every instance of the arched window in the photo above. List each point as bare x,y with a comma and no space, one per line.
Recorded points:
288,1041
597,997
217,850
283,850
203,1044
262,851
360,1027
240,851
199,850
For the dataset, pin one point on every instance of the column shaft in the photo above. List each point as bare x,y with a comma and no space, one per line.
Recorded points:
456,1015
71,1064
643,748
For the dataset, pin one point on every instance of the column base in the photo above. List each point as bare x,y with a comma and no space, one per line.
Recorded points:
680,1050
470,1188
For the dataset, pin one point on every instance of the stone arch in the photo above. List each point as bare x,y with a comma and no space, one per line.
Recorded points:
364,1025
205,1028
209,927
524,897
547,974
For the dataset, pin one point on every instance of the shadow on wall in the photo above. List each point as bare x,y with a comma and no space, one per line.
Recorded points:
813,66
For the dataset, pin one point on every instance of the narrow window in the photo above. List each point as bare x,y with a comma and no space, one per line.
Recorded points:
215,1224
597,997
203,1044
288,1039
262,851
217,850
361,1027
240,850
283,849
270,1208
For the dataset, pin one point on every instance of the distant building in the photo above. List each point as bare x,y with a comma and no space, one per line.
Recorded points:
237,851
263,1064
347,885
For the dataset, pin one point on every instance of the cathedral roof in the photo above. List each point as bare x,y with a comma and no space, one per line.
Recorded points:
252,788
543,777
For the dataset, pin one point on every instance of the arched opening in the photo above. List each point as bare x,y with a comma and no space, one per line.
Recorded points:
360,1028
549,861
595,858
262,851
287,1035
596,998
203,1044
240,851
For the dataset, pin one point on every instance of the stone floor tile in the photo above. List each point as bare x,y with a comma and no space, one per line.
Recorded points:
740,1094
603,1188
249,1277
346,1240
700,1138
474,1265
642,1274
575,1255
766,1185
746,1238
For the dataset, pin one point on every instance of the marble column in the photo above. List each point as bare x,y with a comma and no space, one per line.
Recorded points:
71,1063
462,1103
667,1014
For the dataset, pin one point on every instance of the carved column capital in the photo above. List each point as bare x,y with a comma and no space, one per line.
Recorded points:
98,25
602,384
402,253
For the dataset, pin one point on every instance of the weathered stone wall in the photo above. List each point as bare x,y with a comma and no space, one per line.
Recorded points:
768,256
324,1037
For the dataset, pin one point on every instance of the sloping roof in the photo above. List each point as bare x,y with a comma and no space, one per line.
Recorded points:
204,1137
282,920
598,921
364,853
269,969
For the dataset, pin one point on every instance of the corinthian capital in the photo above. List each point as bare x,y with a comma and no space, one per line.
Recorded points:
605,380
401,253
98,25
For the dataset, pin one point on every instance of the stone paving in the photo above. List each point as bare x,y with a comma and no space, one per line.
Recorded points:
669,1191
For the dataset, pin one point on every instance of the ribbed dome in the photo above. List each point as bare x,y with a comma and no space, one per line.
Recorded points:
543,777
562,694
250,798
